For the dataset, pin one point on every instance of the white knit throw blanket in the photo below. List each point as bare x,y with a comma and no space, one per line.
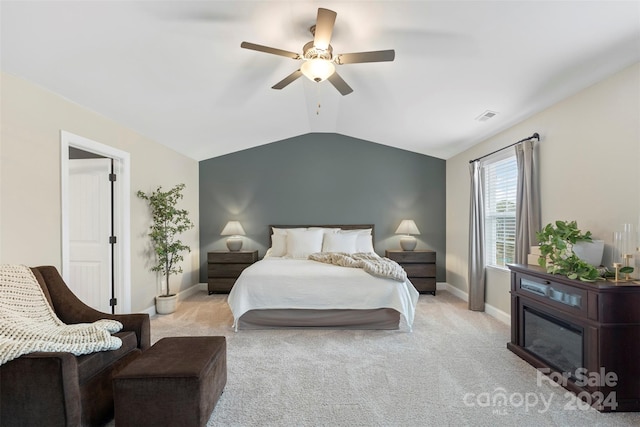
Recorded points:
29,324
369,262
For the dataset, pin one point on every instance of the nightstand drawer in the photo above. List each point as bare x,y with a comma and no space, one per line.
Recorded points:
224,267
246,257
420,266
226,270
420,270
424,284
220,285
408,257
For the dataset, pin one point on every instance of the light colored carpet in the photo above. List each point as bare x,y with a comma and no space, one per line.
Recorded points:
446,372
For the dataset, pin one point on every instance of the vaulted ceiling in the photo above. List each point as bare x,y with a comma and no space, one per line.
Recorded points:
174,70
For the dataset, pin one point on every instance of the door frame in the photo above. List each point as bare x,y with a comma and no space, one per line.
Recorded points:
122,190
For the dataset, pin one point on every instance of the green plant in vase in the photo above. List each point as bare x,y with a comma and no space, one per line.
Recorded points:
556,251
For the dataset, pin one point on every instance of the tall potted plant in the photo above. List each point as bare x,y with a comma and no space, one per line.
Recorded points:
168,223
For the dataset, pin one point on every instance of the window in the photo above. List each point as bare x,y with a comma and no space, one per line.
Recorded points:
500,187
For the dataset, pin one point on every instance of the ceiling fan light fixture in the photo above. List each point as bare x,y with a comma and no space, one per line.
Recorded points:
317,54
317,69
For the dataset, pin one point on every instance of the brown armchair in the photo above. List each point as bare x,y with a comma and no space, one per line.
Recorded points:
60,389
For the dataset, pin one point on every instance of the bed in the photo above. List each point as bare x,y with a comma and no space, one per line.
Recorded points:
286,289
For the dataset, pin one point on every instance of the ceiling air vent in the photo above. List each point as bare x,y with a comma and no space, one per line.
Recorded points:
486,116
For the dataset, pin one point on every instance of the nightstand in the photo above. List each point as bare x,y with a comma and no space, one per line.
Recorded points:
420,267
223,268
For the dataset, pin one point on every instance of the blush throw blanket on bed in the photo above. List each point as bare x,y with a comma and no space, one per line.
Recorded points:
371,263
29,324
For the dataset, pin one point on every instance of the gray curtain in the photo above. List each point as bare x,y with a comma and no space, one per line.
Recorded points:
476,239
527,200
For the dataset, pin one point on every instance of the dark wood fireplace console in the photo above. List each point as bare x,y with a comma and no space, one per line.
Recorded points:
597,328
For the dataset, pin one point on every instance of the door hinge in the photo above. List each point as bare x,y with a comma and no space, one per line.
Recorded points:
112,177
112,240
113,302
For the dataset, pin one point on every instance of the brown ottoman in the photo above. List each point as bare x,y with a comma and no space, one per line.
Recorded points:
176,382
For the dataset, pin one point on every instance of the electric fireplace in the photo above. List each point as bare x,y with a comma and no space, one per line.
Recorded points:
553,340
582,332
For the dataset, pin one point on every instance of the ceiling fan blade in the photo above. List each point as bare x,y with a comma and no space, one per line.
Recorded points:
267,49
284,82
340,84
324,27
359,57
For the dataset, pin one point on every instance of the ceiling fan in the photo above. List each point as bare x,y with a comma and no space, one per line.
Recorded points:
318,55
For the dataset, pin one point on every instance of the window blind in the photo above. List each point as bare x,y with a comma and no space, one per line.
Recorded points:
500,180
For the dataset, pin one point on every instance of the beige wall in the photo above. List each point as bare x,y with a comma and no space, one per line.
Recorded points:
589,171
30,218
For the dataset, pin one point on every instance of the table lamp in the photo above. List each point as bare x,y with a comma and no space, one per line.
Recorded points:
408,227
235,230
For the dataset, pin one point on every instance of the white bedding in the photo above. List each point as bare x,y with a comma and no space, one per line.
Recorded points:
285,283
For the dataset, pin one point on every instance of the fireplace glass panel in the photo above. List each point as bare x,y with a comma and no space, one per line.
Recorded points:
555,341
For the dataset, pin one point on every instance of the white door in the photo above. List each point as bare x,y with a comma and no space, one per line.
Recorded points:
89,231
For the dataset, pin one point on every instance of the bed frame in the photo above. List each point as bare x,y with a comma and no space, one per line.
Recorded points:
380,318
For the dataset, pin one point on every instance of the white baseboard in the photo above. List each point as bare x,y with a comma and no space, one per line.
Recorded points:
497,314
198,287
192,290
488,308
456,292
151,311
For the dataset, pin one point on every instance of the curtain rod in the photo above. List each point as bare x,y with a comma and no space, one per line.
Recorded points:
535,135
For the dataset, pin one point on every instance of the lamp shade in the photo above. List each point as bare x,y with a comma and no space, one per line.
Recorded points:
407,226
233,228
317,69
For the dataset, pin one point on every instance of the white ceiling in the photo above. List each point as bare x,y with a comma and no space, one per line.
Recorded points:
174,70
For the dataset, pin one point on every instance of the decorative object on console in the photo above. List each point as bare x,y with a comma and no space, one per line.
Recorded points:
556,251
408,227
637,252
168,223
590,252
235,230
624,247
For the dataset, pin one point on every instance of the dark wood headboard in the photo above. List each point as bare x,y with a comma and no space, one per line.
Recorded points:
342,226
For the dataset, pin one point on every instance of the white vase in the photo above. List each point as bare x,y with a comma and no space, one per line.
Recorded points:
590,252
166,305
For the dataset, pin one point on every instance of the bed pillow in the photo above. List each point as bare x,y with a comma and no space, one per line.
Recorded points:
366,231
283,231
364,243
325,229
364,239
278,245
340,242
302,243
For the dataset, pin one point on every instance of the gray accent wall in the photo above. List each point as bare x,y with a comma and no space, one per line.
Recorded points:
323,178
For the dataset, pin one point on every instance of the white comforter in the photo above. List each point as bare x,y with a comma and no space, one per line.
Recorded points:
304,284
